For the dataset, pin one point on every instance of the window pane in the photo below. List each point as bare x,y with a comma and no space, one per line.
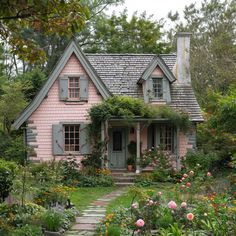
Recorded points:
71,138
117,141
73,87
166,136
157,88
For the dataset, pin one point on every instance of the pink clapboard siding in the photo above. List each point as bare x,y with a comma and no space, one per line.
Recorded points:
52,111
157,72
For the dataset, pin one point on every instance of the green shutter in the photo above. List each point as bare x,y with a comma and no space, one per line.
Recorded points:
150,88
83,88
166,90
57,139
84,139
63,88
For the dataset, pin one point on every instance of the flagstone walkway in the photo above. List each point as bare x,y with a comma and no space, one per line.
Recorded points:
92,215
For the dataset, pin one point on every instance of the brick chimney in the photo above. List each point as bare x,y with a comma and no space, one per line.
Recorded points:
183,58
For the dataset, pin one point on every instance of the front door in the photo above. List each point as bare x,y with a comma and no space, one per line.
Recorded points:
117,148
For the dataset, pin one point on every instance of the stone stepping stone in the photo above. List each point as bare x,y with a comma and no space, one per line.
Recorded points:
88,220
94,215
87,227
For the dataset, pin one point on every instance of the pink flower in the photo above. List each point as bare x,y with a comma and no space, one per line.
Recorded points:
190,216
182,186
183,178
188,184
184,205
134,205
209,174
185,175
140,223
172,205
150,202
159,193
191,172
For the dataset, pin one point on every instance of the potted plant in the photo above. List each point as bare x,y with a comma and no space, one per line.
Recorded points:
132,155
130,163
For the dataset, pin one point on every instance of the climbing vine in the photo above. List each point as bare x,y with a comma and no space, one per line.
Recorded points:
130,108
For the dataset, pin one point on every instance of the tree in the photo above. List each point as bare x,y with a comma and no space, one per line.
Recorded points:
11,104
59,17
213,48
117,34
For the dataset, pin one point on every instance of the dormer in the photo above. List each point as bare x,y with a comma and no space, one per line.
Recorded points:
156,80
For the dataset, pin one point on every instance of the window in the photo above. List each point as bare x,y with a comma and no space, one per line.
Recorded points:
166,137
74,88
157,88
117,141
71,138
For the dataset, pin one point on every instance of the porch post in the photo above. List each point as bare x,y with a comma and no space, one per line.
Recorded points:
138,148
103,140
106,144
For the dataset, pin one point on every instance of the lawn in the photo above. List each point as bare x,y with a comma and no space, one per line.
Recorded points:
82,197
126,199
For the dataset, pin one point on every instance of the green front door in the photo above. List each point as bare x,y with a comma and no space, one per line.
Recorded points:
117,148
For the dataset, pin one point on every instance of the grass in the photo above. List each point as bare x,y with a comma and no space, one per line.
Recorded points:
82,197
126,199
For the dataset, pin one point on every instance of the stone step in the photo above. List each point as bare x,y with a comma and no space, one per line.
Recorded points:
86,226
124,179
94,210
88,220
94,215
124,184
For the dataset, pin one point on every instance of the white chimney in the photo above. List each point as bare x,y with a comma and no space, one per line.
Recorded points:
183,58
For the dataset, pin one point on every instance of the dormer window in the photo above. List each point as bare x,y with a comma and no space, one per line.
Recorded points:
157,84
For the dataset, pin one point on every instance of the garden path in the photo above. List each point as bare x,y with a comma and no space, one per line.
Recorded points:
92,215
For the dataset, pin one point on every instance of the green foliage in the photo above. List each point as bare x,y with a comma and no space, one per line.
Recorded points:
32,82
113,230
94,181
213,46
144,180
207,161
21,21
28,230
119,34
52,220
219,125
7,174
11,104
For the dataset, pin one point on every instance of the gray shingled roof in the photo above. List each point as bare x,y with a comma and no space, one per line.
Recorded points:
121,72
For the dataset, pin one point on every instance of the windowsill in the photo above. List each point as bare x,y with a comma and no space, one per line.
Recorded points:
74,102
157,101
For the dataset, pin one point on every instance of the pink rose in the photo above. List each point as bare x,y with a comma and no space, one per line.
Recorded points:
190,216
185,175
150,202
184,205
209,174
188,184
183,178
182,186
191,172
140,223
134,205
172,205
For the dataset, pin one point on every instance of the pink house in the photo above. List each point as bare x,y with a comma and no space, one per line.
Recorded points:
56,119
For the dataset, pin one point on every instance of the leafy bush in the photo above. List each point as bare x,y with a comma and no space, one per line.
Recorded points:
144,180
94,181
206,161
28,230
7,173
52,220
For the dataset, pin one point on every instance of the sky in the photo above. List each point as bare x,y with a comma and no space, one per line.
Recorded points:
157,8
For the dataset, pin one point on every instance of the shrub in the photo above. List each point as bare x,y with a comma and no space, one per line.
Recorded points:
52,220
7,173
28,230
144,180
206,161
94,181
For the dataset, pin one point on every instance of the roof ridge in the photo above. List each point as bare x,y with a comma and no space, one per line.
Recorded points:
130,54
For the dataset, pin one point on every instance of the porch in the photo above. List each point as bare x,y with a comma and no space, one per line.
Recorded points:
117,134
